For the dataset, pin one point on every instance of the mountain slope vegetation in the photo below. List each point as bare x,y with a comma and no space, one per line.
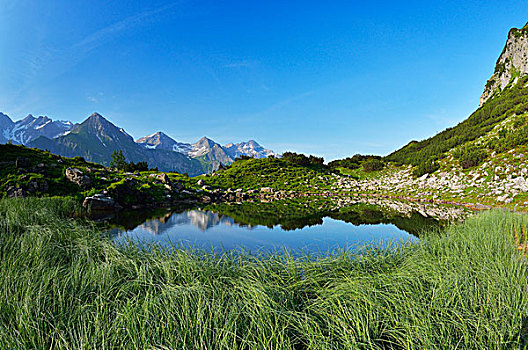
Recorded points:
505,97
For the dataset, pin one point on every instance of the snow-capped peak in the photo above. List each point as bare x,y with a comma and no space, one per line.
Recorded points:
26,130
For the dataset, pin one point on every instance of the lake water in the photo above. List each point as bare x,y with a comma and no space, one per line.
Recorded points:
315,233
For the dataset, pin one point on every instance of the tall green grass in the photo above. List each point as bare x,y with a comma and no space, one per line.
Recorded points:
65,285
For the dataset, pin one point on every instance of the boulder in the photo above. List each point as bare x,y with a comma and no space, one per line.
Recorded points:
503,198
100,202
164,178
128,194
77,177
201,182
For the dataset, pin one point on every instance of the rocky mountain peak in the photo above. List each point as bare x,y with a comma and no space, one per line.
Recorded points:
28,119
512,63
98,121
158,140
205,142
95,115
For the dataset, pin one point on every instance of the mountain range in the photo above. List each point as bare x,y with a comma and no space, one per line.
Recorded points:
26,130
96,138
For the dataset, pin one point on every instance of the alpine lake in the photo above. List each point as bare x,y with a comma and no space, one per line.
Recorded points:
306,226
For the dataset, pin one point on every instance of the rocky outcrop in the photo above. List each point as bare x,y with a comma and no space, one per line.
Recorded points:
512,63
100,202
78,177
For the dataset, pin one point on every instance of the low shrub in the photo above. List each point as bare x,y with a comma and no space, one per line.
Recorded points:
373,165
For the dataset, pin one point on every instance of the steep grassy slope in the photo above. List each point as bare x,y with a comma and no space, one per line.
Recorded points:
511,101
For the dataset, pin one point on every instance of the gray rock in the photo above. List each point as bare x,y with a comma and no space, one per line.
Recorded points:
520,184
100,202
164,178
77,177
503,198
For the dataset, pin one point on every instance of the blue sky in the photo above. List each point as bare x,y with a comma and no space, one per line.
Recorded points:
331,78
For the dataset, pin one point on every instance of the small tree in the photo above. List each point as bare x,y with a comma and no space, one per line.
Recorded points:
118,160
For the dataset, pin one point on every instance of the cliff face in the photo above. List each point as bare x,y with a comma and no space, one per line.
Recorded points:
512,63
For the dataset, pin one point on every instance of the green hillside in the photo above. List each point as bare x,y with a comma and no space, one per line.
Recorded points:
278,174
33,172
512,101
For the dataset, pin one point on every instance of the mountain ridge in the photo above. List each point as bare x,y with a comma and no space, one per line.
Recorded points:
96,137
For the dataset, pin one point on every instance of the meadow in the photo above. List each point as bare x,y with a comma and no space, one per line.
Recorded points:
66,285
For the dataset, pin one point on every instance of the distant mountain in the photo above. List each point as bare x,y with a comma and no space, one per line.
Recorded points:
30,128
160,140
250,149
210,153
96,138
207,151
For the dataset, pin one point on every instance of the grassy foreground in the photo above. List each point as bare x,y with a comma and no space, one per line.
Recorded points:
64,285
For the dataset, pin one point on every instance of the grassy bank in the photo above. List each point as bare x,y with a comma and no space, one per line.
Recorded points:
64,285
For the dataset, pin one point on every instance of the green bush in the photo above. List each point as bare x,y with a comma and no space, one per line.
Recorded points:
301,159
426,167
353,162
373,165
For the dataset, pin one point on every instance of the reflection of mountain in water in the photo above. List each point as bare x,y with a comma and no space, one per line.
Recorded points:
290,215
203,220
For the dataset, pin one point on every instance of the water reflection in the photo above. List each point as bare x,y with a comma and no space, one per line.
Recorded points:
203,220
294,225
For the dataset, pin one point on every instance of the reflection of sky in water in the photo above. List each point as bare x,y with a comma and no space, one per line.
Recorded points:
209,230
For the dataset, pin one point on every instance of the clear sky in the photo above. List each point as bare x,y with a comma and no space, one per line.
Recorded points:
331,78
